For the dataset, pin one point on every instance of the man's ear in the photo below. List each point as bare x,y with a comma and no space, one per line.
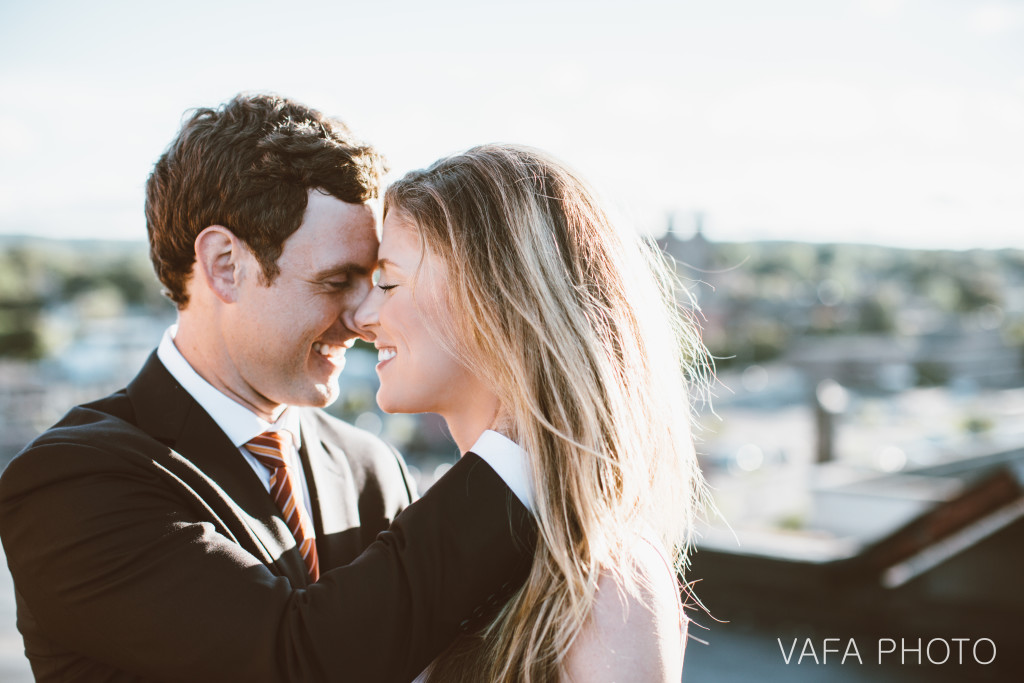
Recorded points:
220,261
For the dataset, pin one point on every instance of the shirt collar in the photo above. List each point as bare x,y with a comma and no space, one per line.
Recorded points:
509,460
238,422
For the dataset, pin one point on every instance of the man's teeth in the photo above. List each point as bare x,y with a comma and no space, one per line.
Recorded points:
328,350
385,354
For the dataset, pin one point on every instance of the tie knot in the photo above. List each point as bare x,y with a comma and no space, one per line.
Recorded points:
270,448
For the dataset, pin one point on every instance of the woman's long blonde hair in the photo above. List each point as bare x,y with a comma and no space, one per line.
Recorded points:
576,326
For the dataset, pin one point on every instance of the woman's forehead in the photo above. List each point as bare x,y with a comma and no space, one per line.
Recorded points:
400,243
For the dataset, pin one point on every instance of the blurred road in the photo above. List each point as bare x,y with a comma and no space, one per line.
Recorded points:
14,667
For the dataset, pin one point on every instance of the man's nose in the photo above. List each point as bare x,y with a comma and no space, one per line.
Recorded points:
364,317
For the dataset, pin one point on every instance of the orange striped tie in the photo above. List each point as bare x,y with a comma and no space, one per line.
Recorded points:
270,449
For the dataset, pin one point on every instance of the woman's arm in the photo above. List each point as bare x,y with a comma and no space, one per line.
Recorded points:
632,637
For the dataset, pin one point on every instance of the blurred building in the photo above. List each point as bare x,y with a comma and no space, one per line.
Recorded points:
95,357
932,554
689,249
953,355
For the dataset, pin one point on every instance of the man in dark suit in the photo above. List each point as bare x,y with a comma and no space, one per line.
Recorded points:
209,522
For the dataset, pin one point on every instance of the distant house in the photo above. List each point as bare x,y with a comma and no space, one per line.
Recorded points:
100,355
975,357
952,355
856,360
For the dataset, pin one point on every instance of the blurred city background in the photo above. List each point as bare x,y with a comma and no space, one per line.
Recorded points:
839,183
865,439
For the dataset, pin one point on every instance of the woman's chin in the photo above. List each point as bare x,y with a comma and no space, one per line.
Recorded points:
393,404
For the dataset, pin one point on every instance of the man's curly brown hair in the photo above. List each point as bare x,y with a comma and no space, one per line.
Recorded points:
248,165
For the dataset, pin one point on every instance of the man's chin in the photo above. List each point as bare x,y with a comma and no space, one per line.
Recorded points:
326,394
319,395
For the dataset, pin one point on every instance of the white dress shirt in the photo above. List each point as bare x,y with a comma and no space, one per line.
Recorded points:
240,424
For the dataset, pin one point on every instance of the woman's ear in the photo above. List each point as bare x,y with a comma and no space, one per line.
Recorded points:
219,261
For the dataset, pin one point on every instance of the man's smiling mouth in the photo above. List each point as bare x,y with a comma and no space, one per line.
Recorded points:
335,353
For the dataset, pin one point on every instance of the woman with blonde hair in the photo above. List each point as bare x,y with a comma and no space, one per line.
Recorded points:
506,296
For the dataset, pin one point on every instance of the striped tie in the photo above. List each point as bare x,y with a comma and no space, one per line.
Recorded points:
270,449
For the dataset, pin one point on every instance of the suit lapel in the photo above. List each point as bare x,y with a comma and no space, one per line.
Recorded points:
170,414
333,496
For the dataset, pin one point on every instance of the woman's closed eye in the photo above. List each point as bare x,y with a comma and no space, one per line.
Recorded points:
378,281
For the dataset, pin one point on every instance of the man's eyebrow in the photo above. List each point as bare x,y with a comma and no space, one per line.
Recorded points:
345,269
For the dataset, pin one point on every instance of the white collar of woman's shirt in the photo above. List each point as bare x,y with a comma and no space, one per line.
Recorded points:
509,460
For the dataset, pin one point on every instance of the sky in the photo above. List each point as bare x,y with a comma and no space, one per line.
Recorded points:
896,122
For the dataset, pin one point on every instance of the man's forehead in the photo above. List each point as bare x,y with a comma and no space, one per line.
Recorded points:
334,237
346,256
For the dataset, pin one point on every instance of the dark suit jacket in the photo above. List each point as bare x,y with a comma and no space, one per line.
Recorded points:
143,547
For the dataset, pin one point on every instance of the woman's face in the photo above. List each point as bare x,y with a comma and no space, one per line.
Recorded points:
418,373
